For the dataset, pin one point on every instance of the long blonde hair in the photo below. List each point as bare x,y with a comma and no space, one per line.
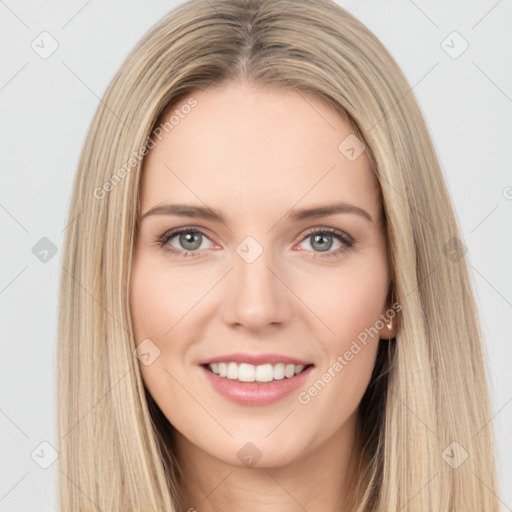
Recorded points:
427,404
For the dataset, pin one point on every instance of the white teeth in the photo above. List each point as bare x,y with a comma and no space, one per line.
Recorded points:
279,371
245,372
264,373
289,371
299,368
232,371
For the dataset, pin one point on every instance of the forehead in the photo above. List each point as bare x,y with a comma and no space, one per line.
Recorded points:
254,147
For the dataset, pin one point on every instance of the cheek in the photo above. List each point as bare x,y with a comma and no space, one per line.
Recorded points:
160,299
351,304
148,303
159,302
349,299
162,302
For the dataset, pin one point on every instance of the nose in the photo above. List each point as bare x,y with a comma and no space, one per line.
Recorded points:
255,295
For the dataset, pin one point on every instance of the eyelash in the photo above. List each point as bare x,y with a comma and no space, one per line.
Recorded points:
345,239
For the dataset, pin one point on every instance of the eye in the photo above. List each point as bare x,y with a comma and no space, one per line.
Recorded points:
321,241
187,241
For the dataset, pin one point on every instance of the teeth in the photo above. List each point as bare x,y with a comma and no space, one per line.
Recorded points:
245,372
232,372
264,373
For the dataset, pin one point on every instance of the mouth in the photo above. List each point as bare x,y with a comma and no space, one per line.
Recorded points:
256,384
263,373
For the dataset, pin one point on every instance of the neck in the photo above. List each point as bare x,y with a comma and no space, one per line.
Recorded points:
319,480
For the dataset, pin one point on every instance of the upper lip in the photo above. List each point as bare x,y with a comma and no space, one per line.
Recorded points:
255,359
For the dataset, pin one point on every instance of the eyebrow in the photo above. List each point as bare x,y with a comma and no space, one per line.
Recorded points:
185,210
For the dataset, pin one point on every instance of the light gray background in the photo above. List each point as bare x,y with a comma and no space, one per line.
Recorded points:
48,104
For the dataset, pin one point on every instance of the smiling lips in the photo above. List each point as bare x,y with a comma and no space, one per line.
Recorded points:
255,379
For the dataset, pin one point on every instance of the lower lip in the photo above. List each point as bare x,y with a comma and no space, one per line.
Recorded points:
255,393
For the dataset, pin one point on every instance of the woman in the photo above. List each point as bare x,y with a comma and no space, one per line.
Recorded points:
265,301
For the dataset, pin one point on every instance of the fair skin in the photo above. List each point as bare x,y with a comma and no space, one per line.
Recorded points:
253,154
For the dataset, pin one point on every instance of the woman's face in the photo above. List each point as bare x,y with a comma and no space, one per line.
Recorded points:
269,288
